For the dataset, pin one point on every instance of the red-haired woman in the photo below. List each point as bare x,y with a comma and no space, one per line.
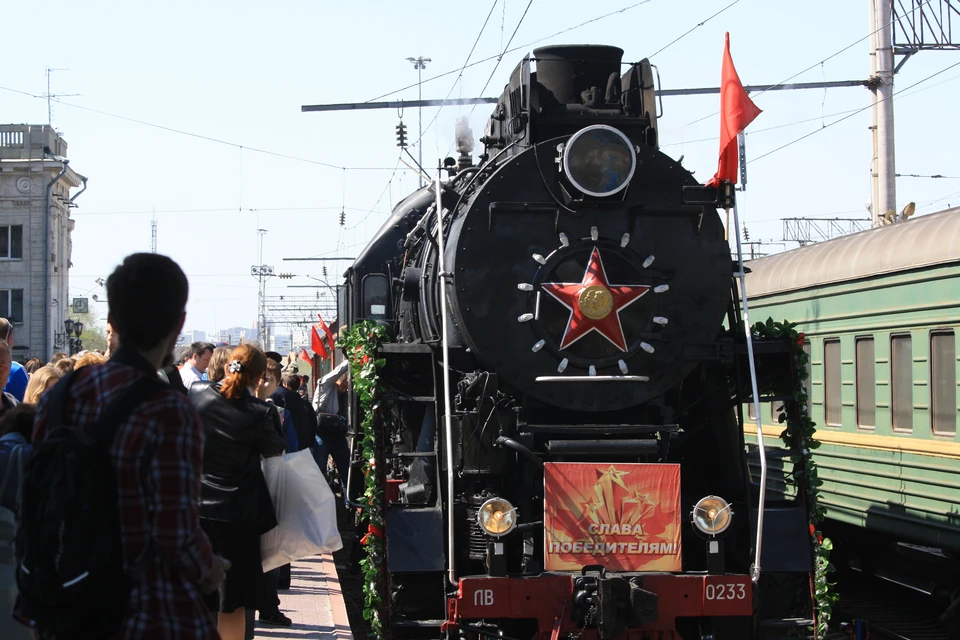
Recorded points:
234,505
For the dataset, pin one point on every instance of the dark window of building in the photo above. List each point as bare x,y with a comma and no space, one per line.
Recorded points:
943,382
901,380
11,242
11,304
832,388
866,384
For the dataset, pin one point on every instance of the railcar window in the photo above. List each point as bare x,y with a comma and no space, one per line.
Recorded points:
901,378
831,383
375,296
943,382
776,410
866,384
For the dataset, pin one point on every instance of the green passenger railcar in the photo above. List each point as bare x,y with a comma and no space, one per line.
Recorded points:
880,311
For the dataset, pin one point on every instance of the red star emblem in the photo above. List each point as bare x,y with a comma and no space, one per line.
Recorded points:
594,303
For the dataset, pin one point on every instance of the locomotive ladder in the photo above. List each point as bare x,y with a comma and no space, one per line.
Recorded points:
741,276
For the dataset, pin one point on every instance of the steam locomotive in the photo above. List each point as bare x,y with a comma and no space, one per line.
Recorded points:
563,455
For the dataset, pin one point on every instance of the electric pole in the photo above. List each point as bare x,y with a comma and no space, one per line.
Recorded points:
262,273
153,232
883,172
420,63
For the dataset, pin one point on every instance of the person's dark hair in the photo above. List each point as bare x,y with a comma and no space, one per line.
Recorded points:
148,295
57,357
5,328
199,348
32,365
290,380
19,420
183,356
247,363
274,368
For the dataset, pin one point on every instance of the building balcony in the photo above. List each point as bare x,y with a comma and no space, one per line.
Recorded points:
25,142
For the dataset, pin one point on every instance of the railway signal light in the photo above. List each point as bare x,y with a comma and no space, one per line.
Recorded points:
402,136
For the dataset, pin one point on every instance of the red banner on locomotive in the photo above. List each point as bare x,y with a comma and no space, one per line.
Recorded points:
625,517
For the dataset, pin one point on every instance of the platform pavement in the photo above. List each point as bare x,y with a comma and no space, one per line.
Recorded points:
314,603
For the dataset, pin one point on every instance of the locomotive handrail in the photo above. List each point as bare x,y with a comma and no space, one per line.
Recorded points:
741,276
447,422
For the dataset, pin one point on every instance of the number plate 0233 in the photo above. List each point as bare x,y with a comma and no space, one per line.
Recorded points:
727,595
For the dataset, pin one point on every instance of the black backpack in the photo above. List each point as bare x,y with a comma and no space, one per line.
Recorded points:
69,555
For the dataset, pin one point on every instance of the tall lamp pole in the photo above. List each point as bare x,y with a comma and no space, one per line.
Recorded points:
420,63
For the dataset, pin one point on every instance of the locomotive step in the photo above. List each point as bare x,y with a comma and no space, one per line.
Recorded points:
417,624
402,347
396,397
785,623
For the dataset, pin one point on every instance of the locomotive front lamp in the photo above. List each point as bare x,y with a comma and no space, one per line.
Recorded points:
497,517
712,515
599,160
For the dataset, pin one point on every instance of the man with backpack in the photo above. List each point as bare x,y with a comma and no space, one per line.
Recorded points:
109,542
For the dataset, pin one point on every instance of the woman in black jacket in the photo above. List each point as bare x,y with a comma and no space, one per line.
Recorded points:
235,508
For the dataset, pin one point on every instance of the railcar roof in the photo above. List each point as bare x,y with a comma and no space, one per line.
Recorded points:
919,242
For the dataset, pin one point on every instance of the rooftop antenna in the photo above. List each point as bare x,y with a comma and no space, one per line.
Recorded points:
50,96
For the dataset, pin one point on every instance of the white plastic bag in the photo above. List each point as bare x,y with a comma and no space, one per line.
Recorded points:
306,511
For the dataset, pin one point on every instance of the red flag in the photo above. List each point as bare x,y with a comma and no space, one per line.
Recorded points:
326,329
317,345
304,355
736,112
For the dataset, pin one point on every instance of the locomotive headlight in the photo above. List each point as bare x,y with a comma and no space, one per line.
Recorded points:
497,517
599,160
712,515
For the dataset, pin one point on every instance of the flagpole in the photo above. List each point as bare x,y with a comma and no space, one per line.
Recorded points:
741,277
444,278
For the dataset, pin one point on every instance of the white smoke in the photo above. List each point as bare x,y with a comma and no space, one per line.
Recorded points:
464,135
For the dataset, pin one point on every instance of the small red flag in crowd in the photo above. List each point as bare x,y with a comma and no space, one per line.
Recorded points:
736,112
317,344
326,330
304,355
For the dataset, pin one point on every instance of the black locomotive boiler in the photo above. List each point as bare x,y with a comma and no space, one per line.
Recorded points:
580,471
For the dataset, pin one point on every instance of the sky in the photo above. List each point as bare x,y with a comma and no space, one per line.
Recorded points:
192,110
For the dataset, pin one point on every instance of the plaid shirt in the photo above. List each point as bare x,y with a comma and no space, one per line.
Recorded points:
158,456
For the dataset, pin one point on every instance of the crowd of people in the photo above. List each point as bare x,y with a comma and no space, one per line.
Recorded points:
186,455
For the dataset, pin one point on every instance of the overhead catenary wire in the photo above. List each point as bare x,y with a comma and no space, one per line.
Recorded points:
691,30
462,69
847,117
517,48
812,66
200,136
503,52
385,190
794,123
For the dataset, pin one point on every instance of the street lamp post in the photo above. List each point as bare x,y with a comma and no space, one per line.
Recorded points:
420,63
70,338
